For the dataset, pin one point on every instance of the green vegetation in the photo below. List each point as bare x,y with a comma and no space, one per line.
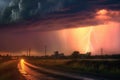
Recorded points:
9,71
108,68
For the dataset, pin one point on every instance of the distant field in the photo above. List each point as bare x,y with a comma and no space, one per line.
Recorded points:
109,68
9,71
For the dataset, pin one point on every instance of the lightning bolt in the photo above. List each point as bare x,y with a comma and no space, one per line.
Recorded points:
89,47
88,37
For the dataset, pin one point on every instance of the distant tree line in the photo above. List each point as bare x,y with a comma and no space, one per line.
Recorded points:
59,55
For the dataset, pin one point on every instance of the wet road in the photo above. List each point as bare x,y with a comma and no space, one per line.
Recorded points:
32,72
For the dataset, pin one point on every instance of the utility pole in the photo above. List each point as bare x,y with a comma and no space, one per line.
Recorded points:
101,50
29,51
45,50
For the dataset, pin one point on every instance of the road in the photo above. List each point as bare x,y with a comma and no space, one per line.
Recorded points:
32,72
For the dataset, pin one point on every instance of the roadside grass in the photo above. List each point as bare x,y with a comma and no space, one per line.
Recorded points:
9,71
99,67
2,61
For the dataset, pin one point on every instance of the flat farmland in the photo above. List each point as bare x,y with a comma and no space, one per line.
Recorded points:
108,68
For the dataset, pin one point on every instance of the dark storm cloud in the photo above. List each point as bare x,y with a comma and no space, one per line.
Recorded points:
22,21
49,14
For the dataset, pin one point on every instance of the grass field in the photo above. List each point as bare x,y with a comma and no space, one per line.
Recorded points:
9,71
107,68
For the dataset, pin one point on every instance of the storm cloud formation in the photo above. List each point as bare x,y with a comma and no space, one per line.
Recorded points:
45,11
59,24
15,10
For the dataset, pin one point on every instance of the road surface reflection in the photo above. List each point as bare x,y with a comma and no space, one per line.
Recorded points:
22,66
32,72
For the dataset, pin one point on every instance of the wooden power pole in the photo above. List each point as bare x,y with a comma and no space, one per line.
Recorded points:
45,50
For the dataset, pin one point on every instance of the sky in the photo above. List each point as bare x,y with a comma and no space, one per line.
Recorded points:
60,25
